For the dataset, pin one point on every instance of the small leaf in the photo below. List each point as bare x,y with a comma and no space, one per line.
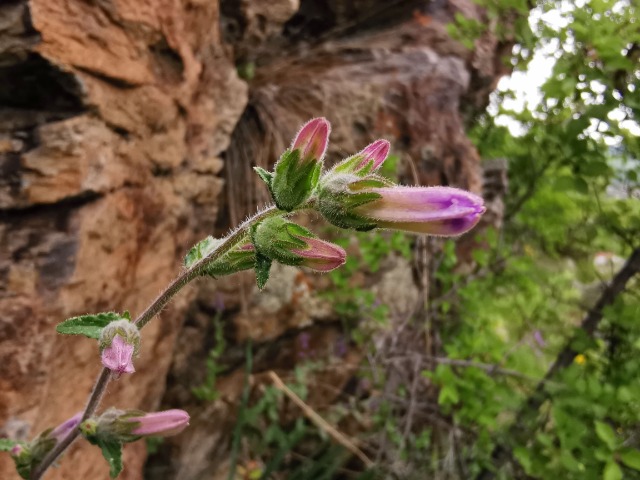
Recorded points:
612,471
200,250
88,325
263,265
112,452
7,444
631,458
606,434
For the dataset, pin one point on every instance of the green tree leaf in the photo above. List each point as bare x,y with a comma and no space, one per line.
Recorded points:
88,325
631,458
606,434
612,471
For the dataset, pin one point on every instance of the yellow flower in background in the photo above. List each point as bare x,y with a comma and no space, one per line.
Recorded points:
580,359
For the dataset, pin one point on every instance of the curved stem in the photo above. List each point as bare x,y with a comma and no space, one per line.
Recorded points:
151,311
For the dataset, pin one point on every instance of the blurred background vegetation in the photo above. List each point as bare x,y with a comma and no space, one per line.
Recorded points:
527,365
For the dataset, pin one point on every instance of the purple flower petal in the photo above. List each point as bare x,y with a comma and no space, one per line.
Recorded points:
431,210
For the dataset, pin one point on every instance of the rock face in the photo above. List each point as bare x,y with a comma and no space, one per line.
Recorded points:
116,120
113,116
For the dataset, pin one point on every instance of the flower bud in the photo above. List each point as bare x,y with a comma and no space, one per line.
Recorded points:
27,456
61,431
367,161
130,425
119,343
291,244
297,172
312,139
166,423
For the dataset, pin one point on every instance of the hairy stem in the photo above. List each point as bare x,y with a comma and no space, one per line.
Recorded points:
151,311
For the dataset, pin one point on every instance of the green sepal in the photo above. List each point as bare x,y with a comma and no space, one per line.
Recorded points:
112,453
266,176
276,238
263,266
294,180
88,325
338,209
7,444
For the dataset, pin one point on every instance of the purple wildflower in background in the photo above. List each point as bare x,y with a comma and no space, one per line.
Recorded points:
341,347
304,344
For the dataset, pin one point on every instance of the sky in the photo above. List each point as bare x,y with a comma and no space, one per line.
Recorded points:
526,84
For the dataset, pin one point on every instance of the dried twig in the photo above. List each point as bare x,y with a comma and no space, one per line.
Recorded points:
320,422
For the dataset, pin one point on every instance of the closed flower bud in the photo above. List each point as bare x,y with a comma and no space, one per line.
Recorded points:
296,174
291,244
367,161
166,423
119,344
62,430
27,456
129,426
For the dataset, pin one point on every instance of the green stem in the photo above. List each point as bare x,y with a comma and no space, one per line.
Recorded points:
151,311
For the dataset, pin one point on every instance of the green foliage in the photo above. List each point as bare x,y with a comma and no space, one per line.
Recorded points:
274,442
6,444
89,325
207,391
571,195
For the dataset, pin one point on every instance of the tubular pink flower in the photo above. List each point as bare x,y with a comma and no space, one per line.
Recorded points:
375,152
118,357
320,255
166,423
442,211
312,139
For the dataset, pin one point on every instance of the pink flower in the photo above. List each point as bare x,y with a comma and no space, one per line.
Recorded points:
442,211
312,139
118,357
166,423
320,255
